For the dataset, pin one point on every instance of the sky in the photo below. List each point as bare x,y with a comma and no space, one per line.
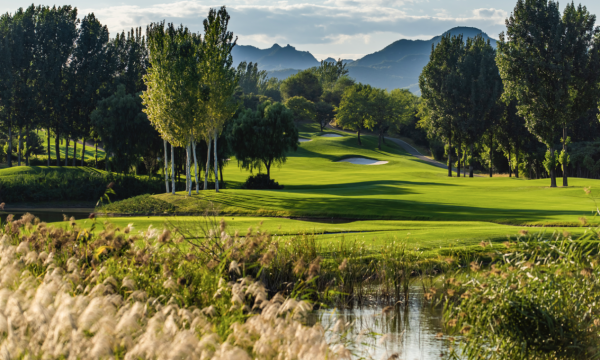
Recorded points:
347,29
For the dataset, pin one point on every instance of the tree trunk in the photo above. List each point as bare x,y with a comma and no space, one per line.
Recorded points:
268,166
209,143
166,166
471,162
74,152
48,140
27,145
67,151
195,166
458,162
552,172
96,158
83,152
20,148
173,169
9,155
509,163
358,133
379,144
491,155
449,157
188,149
57,147
216,164
564,166
517,159
221,173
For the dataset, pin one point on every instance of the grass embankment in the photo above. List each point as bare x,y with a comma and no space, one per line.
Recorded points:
90,150
406,188
431,238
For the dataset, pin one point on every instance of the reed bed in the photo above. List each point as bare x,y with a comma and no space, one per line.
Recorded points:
65,293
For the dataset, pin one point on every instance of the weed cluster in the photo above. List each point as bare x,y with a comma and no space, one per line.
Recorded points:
540,299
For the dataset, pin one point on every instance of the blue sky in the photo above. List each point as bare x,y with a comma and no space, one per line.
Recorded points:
337,28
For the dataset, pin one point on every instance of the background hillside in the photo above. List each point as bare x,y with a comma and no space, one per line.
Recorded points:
398,65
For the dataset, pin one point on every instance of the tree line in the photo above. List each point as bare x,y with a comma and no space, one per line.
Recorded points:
539,85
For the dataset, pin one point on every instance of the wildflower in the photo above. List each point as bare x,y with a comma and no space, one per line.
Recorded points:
343,265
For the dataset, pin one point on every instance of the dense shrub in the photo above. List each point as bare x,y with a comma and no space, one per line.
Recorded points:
43,161
143,204
75,186
260,182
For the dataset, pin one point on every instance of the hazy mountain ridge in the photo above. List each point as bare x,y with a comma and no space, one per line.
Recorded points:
398,65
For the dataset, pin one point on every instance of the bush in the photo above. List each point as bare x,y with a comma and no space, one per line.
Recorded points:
43,161
75,186
143,204
260,182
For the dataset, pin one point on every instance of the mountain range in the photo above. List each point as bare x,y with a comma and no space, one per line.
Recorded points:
398,65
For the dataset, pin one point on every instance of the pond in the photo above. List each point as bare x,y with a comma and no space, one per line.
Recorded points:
47,215
412,332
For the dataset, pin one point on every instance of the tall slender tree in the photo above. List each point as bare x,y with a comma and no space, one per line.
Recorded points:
220,77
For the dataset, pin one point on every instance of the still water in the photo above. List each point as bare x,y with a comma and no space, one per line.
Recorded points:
45,215
412,332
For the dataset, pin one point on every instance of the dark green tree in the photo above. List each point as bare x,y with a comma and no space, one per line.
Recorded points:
305,84
511,136
56,31
353,111
324,114
547,63
328,73
123,128
263,137
89,76
440,84
252,80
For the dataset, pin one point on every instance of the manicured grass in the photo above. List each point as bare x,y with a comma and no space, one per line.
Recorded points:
29,170
406,188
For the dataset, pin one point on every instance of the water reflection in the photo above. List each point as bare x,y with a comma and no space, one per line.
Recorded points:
413,332
46,216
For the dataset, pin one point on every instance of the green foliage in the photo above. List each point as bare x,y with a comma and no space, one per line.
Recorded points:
303,109
123,128
85,185
142,204
353,111
324,113
304,83
260,182
251,80
551,161
330,72
263,137
539,301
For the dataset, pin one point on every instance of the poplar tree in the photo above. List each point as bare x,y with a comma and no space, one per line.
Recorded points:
220,77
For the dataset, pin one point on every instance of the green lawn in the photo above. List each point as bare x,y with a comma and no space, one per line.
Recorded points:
90,151
25,170
316,185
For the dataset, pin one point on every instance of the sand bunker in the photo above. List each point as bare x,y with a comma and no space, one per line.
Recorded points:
304,140
331,135
363,161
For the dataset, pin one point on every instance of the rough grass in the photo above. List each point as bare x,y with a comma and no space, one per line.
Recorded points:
144,204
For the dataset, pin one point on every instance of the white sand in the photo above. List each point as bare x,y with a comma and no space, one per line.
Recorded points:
363,161
304,140
331,135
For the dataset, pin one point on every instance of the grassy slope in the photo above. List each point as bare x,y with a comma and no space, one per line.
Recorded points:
90,152
405,188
